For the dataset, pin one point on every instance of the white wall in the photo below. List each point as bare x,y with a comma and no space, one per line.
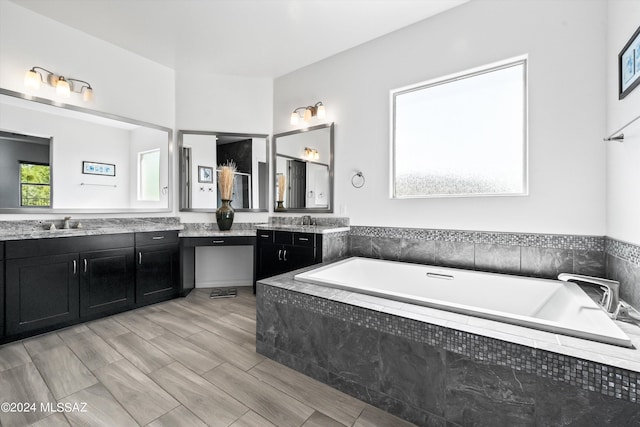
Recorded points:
565,41
623,159
124,83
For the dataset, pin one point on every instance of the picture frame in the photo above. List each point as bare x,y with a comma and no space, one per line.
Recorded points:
97,168
205,174
629,66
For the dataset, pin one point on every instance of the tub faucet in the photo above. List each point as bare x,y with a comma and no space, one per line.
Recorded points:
610,300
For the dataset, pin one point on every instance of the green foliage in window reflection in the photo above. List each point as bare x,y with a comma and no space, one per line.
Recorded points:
35,185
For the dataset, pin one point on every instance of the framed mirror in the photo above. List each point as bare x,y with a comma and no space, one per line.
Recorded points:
303,170
201,152
62,158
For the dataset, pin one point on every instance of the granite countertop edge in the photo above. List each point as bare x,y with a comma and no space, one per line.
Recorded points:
79,232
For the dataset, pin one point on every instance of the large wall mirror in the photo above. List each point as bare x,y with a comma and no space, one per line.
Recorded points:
201,153
63,158
303,172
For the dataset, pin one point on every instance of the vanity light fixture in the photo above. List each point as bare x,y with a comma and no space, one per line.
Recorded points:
306,113
311,153
64,85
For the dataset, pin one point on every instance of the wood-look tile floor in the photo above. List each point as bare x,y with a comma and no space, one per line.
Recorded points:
186,362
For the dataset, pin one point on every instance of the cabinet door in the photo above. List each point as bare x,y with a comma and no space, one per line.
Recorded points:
107,281
1,289
298,257
157,273
41,292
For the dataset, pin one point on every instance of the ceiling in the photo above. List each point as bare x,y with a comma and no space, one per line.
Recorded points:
265,38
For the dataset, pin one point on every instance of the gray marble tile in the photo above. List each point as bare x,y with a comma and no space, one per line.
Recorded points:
589,262
142,354
628,275
269,402
334,246
353,352
385,248
418,251
140,396
546,262
180,416
101,410
498,258
454,254
404,361
64,373
360,246
478,394
23,384
207,401
562,404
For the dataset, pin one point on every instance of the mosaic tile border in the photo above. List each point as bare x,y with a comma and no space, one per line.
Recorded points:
623,250
555,241
587,375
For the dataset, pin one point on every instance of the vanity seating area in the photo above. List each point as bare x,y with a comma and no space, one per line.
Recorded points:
56,278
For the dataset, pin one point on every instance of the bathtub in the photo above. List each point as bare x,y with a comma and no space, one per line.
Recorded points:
548,305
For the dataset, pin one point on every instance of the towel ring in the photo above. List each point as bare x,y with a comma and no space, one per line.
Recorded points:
358,180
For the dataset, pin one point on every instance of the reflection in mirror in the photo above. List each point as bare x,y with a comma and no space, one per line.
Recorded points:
304,169
71,159
201,152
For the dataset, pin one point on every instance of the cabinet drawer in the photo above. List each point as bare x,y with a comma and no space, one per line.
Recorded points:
218,241
283,237
264,236
307,240
62,245
156,238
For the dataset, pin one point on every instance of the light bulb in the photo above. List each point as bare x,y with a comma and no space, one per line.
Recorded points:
63,88
32,79
322,113
294,118
87,94
307,115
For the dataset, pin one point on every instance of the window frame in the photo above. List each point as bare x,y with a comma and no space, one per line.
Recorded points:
35,184
477,71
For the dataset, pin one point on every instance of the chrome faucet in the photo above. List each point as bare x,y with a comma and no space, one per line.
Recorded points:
65,224
306,220
610,299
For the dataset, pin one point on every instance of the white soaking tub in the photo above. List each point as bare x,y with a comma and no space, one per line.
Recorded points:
548,305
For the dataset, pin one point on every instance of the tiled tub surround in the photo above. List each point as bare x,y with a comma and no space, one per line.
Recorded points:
434,367
529,254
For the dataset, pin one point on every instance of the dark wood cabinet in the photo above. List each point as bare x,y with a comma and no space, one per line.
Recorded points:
107,281
1,290
157,266
41,292
282,251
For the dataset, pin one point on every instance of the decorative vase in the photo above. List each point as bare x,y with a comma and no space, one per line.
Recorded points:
280,206
224,215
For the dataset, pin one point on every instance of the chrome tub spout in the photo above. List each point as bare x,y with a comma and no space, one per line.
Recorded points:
610,299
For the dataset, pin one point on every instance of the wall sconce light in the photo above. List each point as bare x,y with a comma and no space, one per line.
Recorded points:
64,85
311,153
306,113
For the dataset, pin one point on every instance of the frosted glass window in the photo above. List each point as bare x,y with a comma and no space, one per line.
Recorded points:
462,135
149,176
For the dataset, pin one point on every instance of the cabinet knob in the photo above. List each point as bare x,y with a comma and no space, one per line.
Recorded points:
157,237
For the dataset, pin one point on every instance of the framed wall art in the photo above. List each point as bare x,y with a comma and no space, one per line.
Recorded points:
96,168
629,65
205,174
